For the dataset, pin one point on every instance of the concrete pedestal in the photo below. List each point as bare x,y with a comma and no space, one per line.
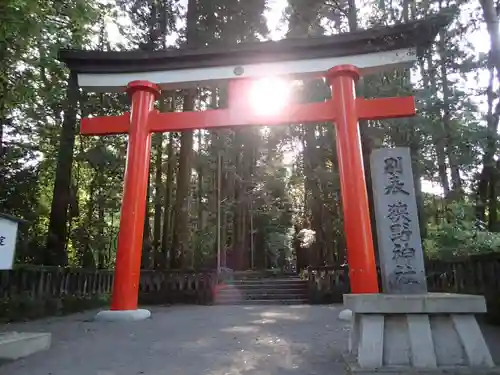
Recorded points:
122,315
424,333
15,345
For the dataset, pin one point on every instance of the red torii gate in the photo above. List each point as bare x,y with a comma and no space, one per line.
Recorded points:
343,109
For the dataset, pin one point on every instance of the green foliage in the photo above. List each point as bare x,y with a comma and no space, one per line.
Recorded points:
460,235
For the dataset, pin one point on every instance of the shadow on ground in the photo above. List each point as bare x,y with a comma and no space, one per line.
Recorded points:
194,340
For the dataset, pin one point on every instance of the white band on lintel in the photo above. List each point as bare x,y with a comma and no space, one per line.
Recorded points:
183,78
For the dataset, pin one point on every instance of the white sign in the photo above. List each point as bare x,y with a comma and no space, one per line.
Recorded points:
8,236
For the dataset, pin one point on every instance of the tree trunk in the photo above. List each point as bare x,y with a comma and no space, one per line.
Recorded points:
414,137
456,181
101,200
167,210
486,189
352,16
227,195
438,136
180,240
493,205
199,170
311,166
490,13
87,257
488,177
56,254
162,195
158,145
237,244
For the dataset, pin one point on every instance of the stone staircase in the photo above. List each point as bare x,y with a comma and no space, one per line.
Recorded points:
279,290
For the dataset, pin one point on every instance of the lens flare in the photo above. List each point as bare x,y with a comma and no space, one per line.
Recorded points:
269,95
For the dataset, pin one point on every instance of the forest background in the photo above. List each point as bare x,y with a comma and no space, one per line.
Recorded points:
275,180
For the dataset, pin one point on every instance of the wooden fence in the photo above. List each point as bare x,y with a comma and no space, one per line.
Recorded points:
327,284
478,274
167,287
28,292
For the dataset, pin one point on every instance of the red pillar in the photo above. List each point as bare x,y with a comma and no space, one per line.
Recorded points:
360,251
128,257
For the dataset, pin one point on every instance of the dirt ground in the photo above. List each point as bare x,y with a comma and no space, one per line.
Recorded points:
195,340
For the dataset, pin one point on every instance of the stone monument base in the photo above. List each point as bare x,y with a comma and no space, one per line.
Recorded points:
122,315
422,333
15,345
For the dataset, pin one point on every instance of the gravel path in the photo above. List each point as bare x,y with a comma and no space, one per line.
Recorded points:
192,340
198,340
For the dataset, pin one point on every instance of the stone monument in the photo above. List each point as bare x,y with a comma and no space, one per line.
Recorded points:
406,330
398,230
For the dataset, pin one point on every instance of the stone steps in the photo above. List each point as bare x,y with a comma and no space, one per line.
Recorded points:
276,284
271,287
264,293
263,302
267,291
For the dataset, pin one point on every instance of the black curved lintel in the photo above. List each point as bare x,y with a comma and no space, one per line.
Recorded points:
416,34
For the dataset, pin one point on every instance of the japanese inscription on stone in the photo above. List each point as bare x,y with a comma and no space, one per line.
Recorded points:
8,235
398,231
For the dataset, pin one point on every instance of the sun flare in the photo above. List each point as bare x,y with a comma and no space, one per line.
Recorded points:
269,95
